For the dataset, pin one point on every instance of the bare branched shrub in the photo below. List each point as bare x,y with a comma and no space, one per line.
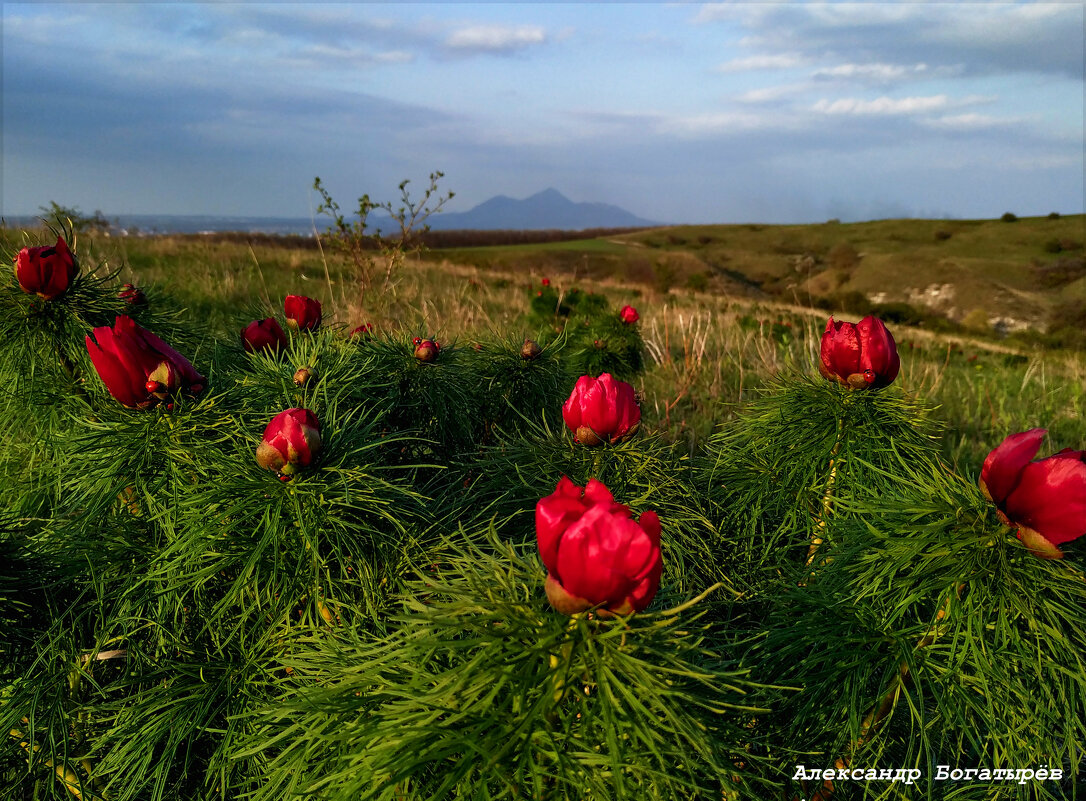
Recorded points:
370,250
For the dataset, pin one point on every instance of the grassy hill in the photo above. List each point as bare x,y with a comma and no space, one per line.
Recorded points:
983,274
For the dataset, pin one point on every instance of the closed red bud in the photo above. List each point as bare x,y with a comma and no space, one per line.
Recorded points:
595,553
859,356
132,295
365,331
46,271
546,282
263,335
1044,499
291,440
138,368
530,350
426,350
302,313
629,315
601,410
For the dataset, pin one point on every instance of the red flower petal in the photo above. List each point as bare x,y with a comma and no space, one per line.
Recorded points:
553,515
1002,467
120,381
878,353
1050,498
598,406
571,409
596,491
845,353
586,558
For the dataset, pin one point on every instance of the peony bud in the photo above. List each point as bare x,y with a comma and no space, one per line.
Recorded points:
46,271
860,356
291,440
138,368
302,313
1044,499
303,375
546,282
595,553
601,409
263,335
426,349
132,295
530,350
629,315
365,331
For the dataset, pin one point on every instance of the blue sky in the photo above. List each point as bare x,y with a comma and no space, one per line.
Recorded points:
677,112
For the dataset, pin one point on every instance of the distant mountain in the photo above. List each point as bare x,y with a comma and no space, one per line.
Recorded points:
546,210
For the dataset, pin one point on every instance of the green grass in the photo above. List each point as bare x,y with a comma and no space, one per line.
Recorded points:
708,352
575,245
989,263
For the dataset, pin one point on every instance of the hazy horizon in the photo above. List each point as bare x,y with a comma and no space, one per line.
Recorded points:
771,113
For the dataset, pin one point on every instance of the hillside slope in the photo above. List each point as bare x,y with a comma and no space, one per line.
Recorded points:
982,273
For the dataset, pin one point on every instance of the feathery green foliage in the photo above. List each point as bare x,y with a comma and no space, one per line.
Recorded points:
180,623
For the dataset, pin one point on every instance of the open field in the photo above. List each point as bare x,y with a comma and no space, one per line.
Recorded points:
708,350
983,274
361,565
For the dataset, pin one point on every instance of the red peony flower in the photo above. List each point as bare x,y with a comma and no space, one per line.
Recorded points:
426,350
546,282
629,315
46,271
601,409
138,368
860,356
302,313
594,552
291,440
365,331
1044,499
132,295
266,335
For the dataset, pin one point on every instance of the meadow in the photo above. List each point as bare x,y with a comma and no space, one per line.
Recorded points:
407,595
714,335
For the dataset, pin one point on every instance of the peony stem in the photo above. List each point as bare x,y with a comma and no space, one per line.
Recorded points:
877,715
827,497
559,667
64,773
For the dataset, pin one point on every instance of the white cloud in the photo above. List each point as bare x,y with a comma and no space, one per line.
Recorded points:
971,122
697,126
495,38
882,105
319,55
772,94
764,62
875,71
973,38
